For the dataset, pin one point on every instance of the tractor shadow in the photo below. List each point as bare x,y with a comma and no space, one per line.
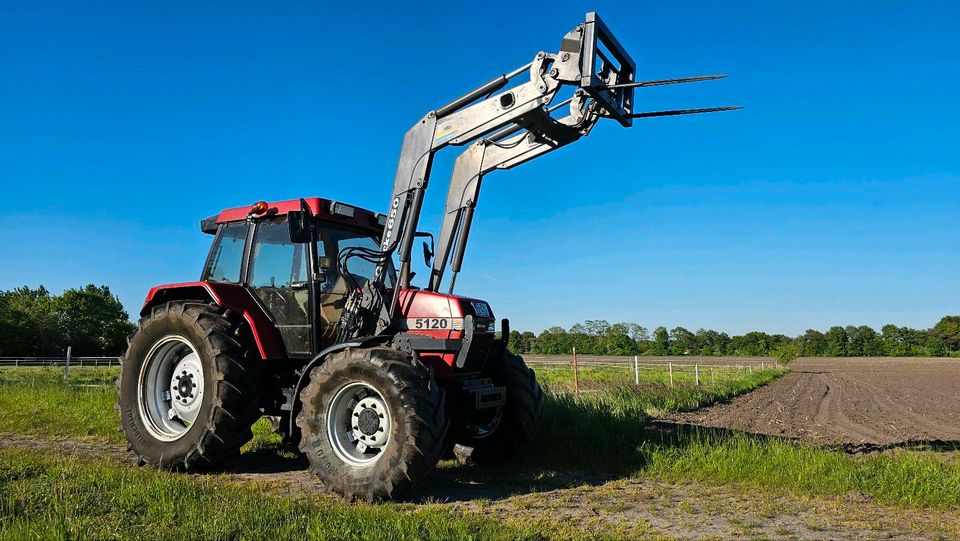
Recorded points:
270,459
580,444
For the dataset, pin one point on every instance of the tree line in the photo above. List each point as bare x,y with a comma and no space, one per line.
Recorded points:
599,337
35,323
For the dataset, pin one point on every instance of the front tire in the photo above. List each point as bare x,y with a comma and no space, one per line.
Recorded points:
509,432
373,423
188,387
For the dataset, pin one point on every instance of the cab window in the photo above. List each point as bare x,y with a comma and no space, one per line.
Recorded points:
224,262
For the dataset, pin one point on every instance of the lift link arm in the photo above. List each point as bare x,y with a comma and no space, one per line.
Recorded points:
503,150
454,124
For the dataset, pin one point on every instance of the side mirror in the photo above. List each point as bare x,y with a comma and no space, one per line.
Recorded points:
428,251
301,224
427,254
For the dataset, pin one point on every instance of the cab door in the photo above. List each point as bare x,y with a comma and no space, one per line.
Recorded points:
278,274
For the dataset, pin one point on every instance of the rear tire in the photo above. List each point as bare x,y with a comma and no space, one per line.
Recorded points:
188,387
373,423
509,435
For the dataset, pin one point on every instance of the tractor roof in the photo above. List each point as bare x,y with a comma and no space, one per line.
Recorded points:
322,208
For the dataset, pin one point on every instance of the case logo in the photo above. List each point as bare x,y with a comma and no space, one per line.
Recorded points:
481,309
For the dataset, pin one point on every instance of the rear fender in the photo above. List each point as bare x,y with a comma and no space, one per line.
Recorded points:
231,296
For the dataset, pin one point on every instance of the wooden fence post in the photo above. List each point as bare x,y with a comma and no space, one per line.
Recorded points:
636,371
576,375
696,373
670,364
66,365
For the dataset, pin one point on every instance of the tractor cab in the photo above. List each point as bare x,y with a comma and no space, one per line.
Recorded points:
297,262
304,296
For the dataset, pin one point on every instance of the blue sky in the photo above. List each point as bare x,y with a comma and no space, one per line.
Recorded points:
830,199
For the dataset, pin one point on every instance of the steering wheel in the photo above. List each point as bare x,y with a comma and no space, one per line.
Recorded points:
275,301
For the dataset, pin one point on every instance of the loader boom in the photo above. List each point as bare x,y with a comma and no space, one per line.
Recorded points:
591,62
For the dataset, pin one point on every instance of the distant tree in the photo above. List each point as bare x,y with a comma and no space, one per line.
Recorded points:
596,327
578,328
661,342
872,342
35,323
682,342
711,342
514,342
555,341
527,340
753,343
812,343
902,341
637,333
935,347
618,343
786,352
29,325
93,320
947,330
863,341
836,341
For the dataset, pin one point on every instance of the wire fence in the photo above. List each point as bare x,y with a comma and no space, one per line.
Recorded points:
578,373
59,361
592,373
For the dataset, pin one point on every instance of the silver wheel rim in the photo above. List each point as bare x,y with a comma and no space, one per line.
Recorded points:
478,431
170,388
359,424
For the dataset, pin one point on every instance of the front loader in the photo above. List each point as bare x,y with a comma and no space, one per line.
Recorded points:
301,314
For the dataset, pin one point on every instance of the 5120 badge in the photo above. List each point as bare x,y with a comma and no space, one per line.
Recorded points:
434,323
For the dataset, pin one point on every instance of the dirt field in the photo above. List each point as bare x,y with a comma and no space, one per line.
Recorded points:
860,403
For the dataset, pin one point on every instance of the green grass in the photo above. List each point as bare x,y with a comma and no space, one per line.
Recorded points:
36,401
48,497
79,375
560,378
603,435
909,478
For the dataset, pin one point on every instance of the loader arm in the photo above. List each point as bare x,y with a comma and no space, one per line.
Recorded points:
502,150
579,63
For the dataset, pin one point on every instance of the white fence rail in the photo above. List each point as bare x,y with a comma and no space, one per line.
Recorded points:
673,370
59,361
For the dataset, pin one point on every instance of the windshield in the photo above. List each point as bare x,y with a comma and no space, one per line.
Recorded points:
333,240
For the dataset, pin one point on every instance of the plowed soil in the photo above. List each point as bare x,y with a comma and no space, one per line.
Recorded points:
859,403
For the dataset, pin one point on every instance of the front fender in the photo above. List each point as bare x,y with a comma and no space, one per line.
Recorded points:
317,360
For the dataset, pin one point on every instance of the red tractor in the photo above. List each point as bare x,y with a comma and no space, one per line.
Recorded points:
300,313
